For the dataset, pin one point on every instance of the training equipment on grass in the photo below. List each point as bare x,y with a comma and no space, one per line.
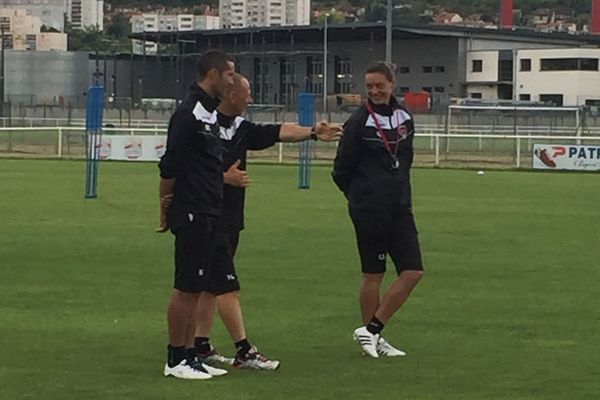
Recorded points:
93,139
306,117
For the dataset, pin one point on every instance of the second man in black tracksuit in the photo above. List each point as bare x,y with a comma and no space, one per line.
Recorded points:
237,136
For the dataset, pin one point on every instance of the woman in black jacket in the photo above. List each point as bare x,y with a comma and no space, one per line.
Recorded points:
372,169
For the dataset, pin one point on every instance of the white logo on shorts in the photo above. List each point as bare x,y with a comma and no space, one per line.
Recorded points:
381,257
200,272
191,217
230,277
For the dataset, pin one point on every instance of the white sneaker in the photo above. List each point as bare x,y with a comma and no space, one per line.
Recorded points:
387,350
367,341
185,371
214,371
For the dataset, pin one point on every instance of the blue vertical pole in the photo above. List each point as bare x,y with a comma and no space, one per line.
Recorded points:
306,117
93,137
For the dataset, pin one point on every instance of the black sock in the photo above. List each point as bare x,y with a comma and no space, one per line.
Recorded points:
375,326
175,355
190,353
242,347
202,345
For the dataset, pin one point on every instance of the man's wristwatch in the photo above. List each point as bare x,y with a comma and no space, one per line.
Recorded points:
313,135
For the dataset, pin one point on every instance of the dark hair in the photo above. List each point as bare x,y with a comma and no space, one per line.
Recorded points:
212,59
382,67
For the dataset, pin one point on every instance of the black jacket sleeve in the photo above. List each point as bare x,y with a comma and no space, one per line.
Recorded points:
261,136
348,154
182,124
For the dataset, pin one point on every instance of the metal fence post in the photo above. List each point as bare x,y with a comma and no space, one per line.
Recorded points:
280,153
437,150
518,152
59,150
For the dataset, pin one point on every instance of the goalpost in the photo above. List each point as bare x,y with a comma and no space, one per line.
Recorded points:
507,119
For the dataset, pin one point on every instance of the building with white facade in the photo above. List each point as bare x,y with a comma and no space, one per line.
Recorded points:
206,22
562,76
249,13
50,12
22,31
86,14
568,77
168,23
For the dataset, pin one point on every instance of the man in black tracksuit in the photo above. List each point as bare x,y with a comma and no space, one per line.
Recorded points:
372,169
237,136
192,180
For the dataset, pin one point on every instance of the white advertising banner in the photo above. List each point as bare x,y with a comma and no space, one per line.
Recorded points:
578,158
132,148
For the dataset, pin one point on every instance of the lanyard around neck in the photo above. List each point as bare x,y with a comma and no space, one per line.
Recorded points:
380,132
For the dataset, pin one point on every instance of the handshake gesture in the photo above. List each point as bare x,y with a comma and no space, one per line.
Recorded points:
327,132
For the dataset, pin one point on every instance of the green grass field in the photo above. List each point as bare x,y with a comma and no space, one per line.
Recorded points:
508,308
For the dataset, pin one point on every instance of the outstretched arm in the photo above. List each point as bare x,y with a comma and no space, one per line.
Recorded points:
322,131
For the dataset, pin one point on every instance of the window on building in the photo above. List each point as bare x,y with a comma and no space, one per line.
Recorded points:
569,64
7,43
588,64
439,89
440,69
427,69
505,71
525,64
5,24
314,68
477,66
343,74
31,42
261,80
475,95
525,97
592,102
404,70
287,79
427,89
558,64
554,99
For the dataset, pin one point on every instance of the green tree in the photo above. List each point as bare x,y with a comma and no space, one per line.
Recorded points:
119,27
335,17
91,39
375,11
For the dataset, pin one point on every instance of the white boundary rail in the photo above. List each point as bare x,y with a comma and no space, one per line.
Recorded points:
437,134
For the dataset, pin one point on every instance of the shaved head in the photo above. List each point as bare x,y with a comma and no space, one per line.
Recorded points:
239,83
238,96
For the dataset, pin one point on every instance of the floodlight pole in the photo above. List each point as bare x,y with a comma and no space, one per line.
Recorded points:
388,32
325,63
2,74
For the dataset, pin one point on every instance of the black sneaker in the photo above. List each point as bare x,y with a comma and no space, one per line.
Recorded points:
214,358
